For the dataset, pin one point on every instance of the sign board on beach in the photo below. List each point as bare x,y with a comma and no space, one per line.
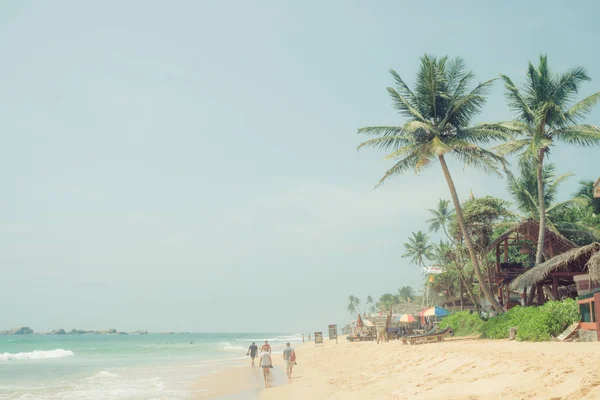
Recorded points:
318,338
333,332
432,270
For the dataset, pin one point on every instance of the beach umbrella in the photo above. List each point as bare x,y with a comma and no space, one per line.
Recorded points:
368,323
406,318
359,322
435,312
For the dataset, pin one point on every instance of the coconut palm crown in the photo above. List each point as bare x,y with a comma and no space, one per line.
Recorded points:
439,110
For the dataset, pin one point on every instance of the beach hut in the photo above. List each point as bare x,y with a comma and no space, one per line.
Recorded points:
557,275
523,235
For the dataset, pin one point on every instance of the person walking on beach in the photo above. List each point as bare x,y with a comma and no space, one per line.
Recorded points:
252,352
266,347
303,338
289,357
266,364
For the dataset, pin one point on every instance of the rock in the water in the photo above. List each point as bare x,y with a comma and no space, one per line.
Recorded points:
79,332
122,333
139,332
110,331
57,332
22,330
3,332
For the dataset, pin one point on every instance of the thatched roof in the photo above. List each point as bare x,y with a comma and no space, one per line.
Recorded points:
594,266
578,259
529,229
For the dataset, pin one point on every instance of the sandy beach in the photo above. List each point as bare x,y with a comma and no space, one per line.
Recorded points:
455,369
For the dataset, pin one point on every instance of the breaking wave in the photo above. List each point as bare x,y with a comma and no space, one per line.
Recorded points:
36,355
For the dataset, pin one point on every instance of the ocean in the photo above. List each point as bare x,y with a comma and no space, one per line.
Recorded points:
152,366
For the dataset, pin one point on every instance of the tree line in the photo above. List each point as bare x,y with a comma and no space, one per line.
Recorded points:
438,111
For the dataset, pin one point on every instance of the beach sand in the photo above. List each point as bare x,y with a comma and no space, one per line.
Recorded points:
454,369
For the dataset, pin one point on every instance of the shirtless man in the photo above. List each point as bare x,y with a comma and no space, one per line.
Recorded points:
266,347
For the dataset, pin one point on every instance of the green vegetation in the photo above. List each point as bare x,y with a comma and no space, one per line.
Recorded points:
535,324
463,323
437,124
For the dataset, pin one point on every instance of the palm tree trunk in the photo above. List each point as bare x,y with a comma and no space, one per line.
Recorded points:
463,227
542,208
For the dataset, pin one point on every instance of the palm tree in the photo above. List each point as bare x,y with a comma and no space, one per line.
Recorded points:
545,114
439,110
524,188
441,217
353,303
585,195
406,292
370,303
418,249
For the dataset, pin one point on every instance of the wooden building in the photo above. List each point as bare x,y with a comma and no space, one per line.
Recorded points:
557,274
523,235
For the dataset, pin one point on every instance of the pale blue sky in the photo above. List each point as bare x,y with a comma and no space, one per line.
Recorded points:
191,165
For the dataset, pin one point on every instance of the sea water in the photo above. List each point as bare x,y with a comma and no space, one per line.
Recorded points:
152,366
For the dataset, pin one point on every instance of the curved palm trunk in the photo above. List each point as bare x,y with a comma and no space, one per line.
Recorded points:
463,227
542,208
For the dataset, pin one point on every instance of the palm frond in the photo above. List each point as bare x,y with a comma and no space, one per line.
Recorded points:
581,135
403,105
582,108
400,167
516,101
512,147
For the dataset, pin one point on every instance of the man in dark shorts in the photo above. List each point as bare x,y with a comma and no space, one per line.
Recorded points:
252,352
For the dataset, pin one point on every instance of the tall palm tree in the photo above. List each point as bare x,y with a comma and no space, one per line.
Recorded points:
441,217
438,111
418,248
546,114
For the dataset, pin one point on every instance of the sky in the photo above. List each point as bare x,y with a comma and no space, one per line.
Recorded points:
192,165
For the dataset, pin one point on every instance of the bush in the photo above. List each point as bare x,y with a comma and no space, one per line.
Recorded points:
550,320
497,327
533,323
462,323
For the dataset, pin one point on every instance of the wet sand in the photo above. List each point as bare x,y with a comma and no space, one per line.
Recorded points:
239,382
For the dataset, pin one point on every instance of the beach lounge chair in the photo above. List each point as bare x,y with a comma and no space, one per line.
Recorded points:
427,337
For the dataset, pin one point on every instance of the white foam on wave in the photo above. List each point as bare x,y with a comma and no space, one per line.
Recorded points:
226,346
36,355
105,375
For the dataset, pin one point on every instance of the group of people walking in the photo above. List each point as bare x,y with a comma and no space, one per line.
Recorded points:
266,362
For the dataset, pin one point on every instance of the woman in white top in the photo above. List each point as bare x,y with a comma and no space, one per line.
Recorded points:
266,364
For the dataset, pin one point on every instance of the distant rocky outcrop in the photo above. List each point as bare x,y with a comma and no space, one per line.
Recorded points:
57,332
139,332
110,331
79,332
22,330
122,333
